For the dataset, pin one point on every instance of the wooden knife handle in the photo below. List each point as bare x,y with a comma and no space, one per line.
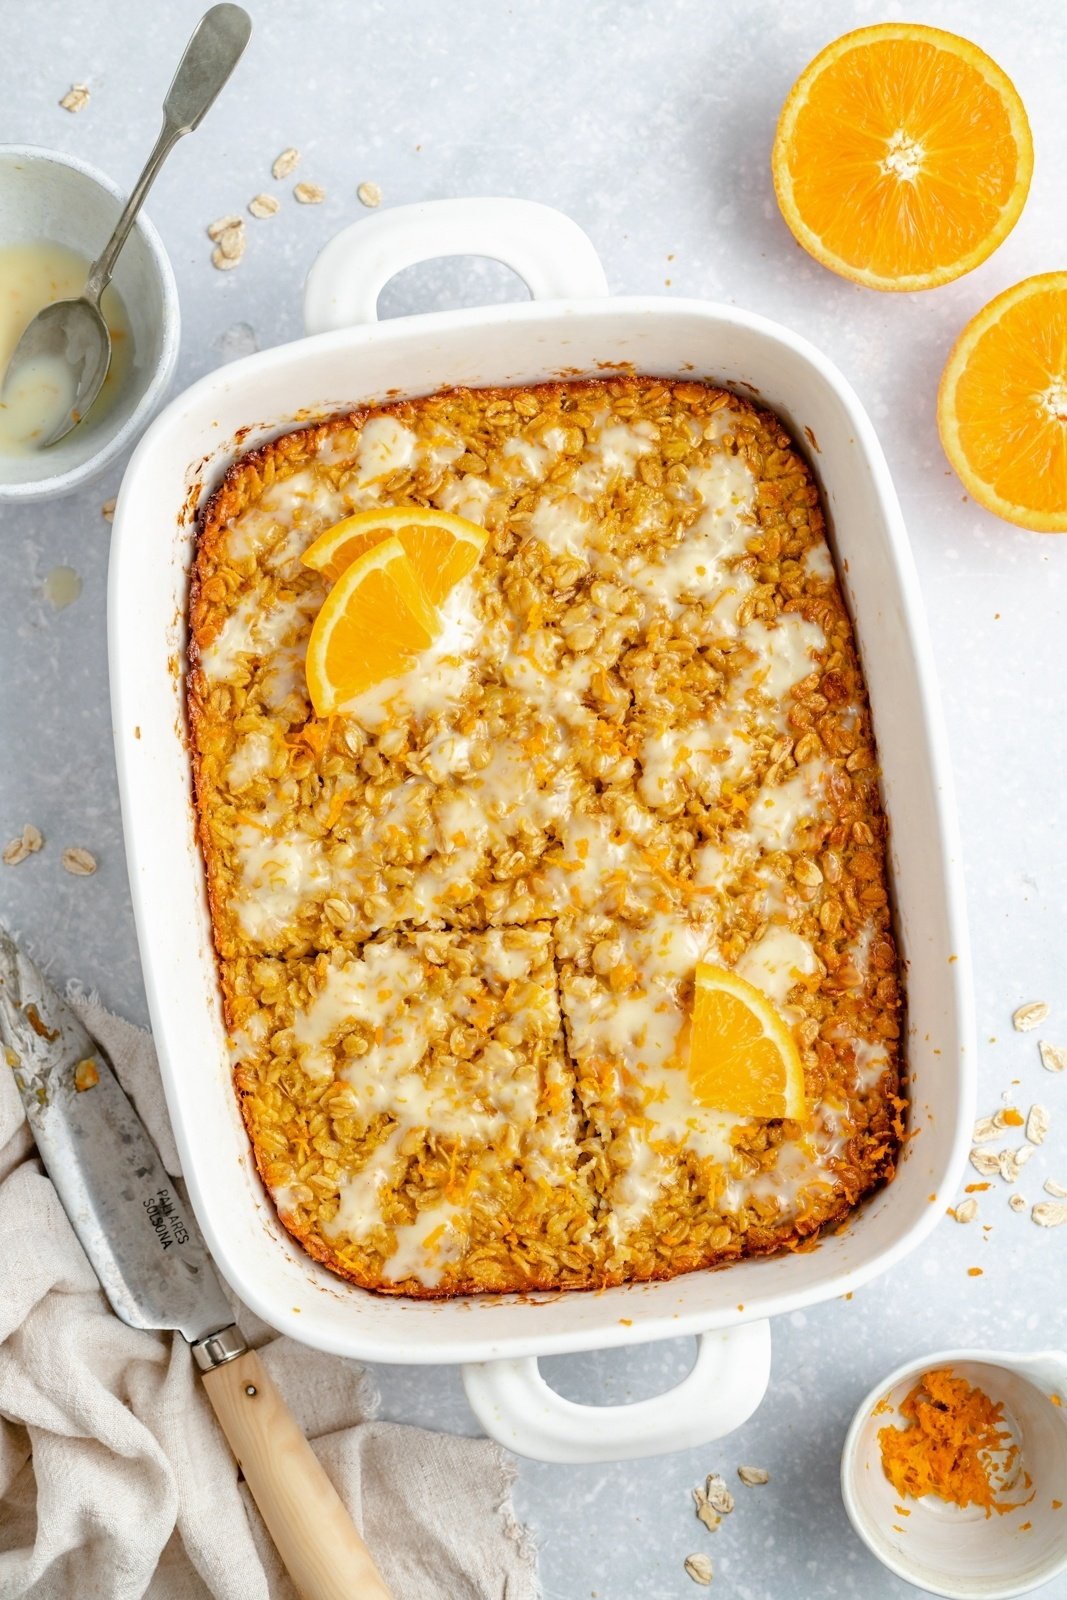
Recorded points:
315,1536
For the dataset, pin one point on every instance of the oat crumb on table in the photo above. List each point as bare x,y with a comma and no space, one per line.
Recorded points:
309,194
76,98
1030,1015
80,863
29,841
285,163
699,1569
1053,1057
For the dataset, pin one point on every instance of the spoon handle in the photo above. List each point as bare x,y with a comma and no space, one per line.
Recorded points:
213,51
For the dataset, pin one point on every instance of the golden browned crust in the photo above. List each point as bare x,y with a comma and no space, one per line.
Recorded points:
686,1230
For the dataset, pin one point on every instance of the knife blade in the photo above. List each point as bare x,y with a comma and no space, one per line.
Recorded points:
154,1267
133,1224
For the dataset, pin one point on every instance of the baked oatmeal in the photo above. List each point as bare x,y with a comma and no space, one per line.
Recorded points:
458,923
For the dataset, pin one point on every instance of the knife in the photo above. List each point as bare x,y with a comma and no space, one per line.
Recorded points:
153,1265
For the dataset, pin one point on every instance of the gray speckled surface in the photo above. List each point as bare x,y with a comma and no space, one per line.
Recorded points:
651,126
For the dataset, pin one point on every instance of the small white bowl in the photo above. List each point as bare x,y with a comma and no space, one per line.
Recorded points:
963,1554
48,196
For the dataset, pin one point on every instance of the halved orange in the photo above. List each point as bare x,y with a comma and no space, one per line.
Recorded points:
1002,405
441,548
742,1056
903,156
372,625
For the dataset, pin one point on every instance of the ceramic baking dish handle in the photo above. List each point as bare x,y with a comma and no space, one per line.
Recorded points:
551,254
516,1407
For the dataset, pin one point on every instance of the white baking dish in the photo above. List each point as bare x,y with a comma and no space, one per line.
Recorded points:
569,327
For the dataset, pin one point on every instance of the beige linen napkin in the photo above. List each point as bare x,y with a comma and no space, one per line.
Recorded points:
115,1481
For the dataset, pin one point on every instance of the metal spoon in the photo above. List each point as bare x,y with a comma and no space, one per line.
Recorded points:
75,330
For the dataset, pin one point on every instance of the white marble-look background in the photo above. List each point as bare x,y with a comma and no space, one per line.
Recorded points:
651,125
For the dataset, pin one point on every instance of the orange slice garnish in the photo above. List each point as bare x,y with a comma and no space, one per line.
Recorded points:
742,1057
1002,405
903,156
373,624
442,548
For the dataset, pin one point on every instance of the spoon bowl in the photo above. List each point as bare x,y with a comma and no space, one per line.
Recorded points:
66,351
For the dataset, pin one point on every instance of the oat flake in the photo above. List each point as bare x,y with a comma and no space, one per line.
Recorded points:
719,1497
985,1161
966,1211
263,205
1053,1057
76,98
1017,1201
1055,1189
369,194
285,163
751,1476
79,862
223,225
107,510
705,1514
1011,1162
1028,1016
1049,1215
223,262
309,194
699,1569
1037,1123
232,242
27,844
985,1128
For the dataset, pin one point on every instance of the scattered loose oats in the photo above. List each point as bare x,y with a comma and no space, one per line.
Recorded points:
1028,1016
985,1161
1048,1215
107,510
1037,1121
369,194
719,1497
1053,1056
76,97
263,205
86,1075
705,1514
751,1476
1055,1189
309,194
79,862
699,1569
1017,1201
1011,1162
223,225
966,1211
27,844
985,1128
285,163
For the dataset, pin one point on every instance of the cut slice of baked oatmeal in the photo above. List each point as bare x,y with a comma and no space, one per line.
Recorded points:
412,1110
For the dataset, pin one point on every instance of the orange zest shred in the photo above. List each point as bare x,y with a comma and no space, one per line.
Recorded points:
953,1431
